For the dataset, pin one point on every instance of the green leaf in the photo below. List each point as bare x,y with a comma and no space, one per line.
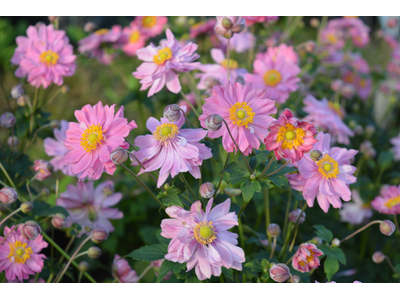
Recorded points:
385,159
236,172
162,239
323,233
228,273
278,180
260,157
172,197
338,254
43,209
266,183
168,266
149,253
249,187
192,279
331,266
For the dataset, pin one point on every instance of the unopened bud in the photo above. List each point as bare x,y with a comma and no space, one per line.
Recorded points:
23,100
238,28
295,214
205,96
43,169
207,190
8,195
58,221
45,192
315,155
314,22
12,141
233,192
26,207
119,156
316,240
89,27
17,91
335,242
214,122
387,227
88,227
99,235
273,230
94,252
378,257
227,23
172,112
83,266
7,120
279,273
55,124
30,230
64,89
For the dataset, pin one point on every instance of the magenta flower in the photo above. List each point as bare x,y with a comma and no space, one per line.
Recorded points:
92,140
306,258
161,62
328,116
276,75
96,44
202,238
240,42
151,26
20,257
122,271
251,20
41,166
45,56
388,202
89,206
202,28
246,111
327,179
396,146
356,212
133,39
171,149
219,70
282,50
289,137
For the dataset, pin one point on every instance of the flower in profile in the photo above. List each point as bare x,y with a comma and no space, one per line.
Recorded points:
92,140
20,257
289,137
202,27
89,206
388,202
240,42
396,146
219,70
227,26
161,62
328,116
43,169
44,55
327,179
202,238
306,258
356,212
276,75
251,20
246,111
102,43
122,271
282,50
151,26
171,149
8,195
133,39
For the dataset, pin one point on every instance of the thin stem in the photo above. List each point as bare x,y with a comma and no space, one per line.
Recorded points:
267,167
390,264
194,89
188,186
266,213
50,278
132,145
227,59
321,28
294,238
222,176
10,215
242,209
67,248
273,248
290,259
32,110
80,277
361,229
287,212
29,190
54,96
57,187
144,272
396,222
190,104
8,177
292,279
276,171
186,119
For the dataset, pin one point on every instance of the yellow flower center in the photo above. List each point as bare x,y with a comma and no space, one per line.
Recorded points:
233,64
272,77
349,78
19,252
163,55
290,136
49,57
149,22
336,108
332,38
165,132
328,167
92,137
101,31
204,232
135,35
197,25
241,114
363,82
392,202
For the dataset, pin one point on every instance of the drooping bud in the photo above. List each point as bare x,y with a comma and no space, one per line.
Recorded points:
273,230
94,252
8,195
58,221
43,169
207,190
387,227
279,272
17,91
295,214
227,26
316,240
99,235
226,23
119,156
233,192
7,120
335,242
378,257
26,207
315,155
314,22
172,112
214,122
83,266
12,141
30,230
55,124
89,27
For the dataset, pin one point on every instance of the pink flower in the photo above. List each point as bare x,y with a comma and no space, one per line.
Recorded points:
202,239
356,212
219,70
251,20
45,56
89,206
228,25
246,111
92,140
151,26
282,50
133,39
332,39
388,202
327,179
289,137
41,166
240,42
171,149
396,146
352,28
202,27
306,258
328,116
161,62
276,75
122,271
96,43
20,257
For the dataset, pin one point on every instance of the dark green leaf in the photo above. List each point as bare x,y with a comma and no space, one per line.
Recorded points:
228,273
331,266
149,253
249,187
339,254
323,233
168,266
172,197
42,209
236,172
162,239
192,279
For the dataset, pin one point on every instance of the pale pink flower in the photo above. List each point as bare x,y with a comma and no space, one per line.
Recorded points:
388,202
202,28
251,20
240,42
352,28
306,258
282,50
151,26
332,39
122,271
133,39
356,212
41,166
396,146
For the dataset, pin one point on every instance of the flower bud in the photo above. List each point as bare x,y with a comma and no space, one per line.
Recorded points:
378,257
316,240
26,207
238,28
273,230
23,100
296,278
209,82
8,195
58,221
89,27
279,273
43,169
17,91
314,22
83,266
64,89
99,235
12,141
172,112
295,214
315,155
335,242
45,192
52,19
55,124
214,122
119,156
7,120
226,23
30,230
207,190
387,227
336,85
94,252
205,96
233,192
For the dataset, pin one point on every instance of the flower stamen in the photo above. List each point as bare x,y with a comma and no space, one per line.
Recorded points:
204,233
49,57
392,202
272,77
290,136
241,114
328,167
92,137
162,56
165,131
19,252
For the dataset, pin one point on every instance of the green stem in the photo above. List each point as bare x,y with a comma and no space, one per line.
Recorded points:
266,213
144,272
273,248
276,171
361,229
188,186
190,104
227,59
222,176
242,209
287,212
32,110
267,167
322,26
8,177
10,215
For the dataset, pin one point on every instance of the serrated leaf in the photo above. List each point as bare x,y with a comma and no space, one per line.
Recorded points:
149,253
331,266
249,187
338,254
168,266
43,209
236,172
266,183
172,197
278,180
323,233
